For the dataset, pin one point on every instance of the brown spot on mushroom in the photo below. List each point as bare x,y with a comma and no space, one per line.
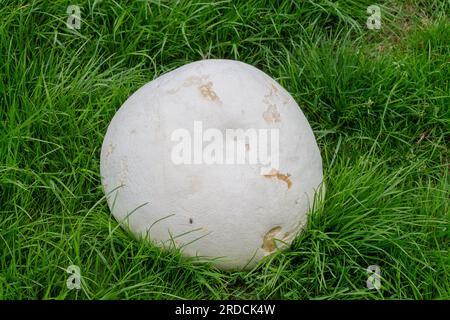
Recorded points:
207,91
271,115
285,178
280,176
269,239
247,146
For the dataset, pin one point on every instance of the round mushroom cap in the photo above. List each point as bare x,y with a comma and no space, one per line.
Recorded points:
214,158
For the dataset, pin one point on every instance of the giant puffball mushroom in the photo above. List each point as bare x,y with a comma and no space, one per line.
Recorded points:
214,158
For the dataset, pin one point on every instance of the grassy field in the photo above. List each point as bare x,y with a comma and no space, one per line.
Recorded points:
377,100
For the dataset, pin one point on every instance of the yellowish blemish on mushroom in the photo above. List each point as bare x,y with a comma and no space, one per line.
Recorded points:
273,89
110,149
207,91
269,239
123,175
280,176
195,80
190,81
271,115
203,85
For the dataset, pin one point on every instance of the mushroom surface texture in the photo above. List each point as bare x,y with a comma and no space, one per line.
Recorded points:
214,158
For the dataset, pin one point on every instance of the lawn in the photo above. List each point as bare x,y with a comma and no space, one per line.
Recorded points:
378,101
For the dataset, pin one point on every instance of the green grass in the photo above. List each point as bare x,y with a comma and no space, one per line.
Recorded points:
378,102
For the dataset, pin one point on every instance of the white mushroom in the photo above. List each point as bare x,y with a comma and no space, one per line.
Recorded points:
196,194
